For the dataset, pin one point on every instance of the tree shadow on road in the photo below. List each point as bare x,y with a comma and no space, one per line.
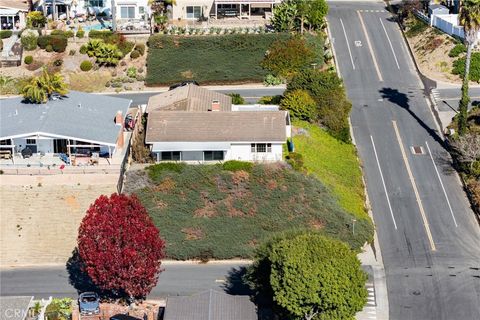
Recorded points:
236,283
402,100
77,277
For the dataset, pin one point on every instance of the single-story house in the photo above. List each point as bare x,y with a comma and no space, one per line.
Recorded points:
210,305
75,125
194,124
196,9
13,14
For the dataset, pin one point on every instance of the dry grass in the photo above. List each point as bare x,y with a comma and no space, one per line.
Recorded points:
92,81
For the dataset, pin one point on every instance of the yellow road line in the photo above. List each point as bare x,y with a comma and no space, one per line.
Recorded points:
370,47
414,185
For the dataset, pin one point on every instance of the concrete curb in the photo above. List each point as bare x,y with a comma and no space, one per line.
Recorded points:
164,263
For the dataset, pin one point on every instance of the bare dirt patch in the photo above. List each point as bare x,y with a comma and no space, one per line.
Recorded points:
193,233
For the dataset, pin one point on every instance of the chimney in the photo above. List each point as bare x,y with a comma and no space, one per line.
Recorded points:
119,118
215,105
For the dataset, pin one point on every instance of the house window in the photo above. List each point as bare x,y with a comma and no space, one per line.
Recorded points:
213,155
141,10
127,12
170,156
31,141
94,3
261,147
194,12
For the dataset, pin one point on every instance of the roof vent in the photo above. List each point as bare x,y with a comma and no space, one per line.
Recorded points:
55,96
79,105
16,112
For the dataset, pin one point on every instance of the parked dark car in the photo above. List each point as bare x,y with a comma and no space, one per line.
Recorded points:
123,317
89,303
183,84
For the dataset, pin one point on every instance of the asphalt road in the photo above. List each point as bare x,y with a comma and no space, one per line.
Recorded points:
429,238
177,279
250,95
448,99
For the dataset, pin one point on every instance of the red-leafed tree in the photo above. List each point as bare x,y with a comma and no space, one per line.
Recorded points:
120,247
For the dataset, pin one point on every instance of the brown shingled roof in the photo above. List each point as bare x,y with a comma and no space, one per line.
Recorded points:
216,126
188,98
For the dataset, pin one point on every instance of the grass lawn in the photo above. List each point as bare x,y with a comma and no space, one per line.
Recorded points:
206,210
335,163
218,59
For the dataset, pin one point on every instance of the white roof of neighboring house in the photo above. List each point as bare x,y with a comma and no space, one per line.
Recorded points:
19,5
84,116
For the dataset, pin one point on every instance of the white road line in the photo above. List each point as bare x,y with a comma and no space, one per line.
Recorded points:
441,183
414,185
370,48
348,45
390,42
383,182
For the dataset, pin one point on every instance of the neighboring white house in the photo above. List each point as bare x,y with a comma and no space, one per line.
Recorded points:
78,124
125,9
13,14
196,9
194,124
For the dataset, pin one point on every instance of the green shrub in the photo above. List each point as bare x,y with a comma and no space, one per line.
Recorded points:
300,104
83,49
416,28
140,77
43,41
59,309
69,34
295,160
49,48
123,45
140,47
100,34
86,65
237,98
36,19
59,43
459,67
276,100
57,32
457,50
29,39
80,33
58,62
72,52
333,106
28,59
135,54
132,72
286,57
156,170
5,34
271,80
235,165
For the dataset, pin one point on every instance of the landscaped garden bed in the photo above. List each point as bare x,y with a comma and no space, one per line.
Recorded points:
225,211
212,59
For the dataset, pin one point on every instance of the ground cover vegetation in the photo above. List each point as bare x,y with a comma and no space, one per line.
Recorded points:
225,210
119,246
308,276
466,153
333,162
232,58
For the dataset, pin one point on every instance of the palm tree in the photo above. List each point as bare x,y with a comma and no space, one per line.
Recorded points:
470,20
40,88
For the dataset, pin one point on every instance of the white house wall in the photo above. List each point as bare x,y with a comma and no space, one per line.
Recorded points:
243,152
180,10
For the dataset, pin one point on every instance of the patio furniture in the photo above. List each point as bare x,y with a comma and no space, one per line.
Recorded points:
5,154
64,158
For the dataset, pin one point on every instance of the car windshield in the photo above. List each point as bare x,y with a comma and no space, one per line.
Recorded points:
89,299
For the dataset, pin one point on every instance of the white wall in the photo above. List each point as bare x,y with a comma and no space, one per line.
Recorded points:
243,152
180,10
43,145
